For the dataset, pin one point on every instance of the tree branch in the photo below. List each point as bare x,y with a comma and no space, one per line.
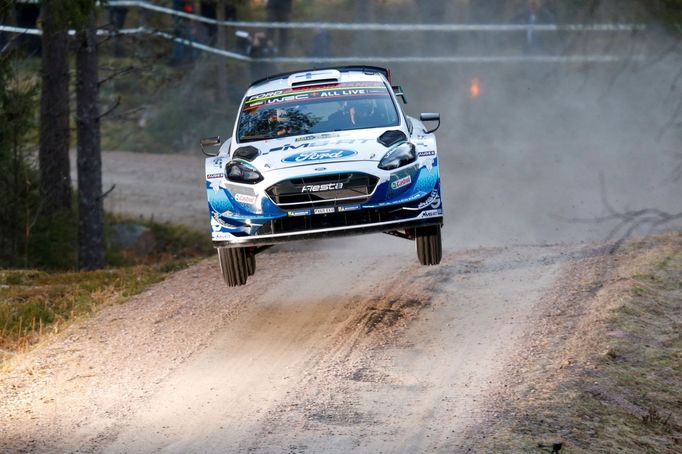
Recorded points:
116,74
627,222
110,109
106,193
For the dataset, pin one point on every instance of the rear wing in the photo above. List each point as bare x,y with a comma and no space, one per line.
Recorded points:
363,68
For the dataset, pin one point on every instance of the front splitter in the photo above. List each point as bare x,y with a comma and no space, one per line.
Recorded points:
363,229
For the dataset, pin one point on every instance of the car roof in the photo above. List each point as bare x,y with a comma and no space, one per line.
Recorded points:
316,76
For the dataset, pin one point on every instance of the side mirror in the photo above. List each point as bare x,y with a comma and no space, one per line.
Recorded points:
398,90
430,117
210,142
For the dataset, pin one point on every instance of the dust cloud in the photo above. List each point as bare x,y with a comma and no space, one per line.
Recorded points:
545,148
521,162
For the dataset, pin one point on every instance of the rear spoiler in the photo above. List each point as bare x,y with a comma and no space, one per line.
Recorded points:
366,69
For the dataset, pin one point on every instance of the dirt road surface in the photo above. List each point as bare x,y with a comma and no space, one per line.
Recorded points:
164,187
323,350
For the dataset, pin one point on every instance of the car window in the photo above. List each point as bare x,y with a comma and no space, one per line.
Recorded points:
309,110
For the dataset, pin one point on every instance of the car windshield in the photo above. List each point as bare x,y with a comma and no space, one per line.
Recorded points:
311,110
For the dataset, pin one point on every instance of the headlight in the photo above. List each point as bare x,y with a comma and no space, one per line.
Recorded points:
401,155
240,172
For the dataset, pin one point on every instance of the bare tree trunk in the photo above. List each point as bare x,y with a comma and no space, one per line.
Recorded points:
222,43
89,162
55,179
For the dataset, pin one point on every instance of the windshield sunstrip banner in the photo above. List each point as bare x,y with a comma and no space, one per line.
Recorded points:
317,93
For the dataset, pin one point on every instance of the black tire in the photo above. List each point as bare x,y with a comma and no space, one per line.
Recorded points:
429,245
233,265
251,263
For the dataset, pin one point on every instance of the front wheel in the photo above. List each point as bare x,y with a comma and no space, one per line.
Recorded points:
251,263
429,245
234,265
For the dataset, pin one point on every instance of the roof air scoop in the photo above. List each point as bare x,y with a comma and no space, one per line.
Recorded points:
322,77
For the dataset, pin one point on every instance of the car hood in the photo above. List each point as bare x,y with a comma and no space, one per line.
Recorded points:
312,149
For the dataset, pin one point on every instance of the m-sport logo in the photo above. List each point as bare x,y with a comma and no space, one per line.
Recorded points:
313,156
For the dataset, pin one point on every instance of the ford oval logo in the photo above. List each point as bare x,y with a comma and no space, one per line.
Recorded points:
324,155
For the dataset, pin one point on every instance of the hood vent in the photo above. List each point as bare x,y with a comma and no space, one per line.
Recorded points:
392,137
247,153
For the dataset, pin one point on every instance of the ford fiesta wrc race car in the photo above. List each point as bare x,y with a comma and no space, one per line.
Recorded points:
322,153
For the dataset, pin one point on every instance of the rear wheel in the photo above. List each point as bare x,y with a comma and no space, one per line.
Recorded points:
234,265
429,245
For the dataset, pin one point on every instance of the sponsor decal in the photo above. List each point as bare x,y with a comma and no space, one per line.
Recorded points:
349,208
421,154
212,176
324,155
220,236
322,143
218,162
299,213
279,100
328,93
323,210
244,198
321,187
430,213
433,201
400,182
319,136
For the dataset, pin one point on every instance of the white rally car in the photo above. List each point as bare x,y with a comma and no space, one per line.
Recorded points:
322,153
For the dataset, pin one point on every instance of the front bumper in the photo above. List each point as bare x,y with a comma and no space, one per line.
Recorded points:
403,199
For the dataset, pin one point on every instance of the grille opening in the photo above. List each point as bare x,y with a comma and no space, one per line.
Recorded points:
320,179
320,190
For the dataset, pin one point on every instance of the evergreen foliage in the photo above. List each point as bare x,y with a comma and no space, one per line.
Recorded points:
19,198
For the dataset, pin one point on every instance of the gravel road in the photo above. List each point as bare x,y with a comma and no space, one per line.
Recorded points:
167,187
323,350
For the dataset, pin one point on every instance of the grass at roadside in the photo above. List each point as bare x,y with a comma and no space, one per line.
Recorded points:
34,303
619,385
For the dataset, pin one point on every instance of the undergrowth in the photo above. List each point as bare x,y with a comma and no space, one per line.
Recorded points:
34,303
625,395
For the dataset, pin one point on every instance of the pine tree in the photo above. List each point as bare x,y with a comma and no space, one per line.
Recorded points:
55,178
89,161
